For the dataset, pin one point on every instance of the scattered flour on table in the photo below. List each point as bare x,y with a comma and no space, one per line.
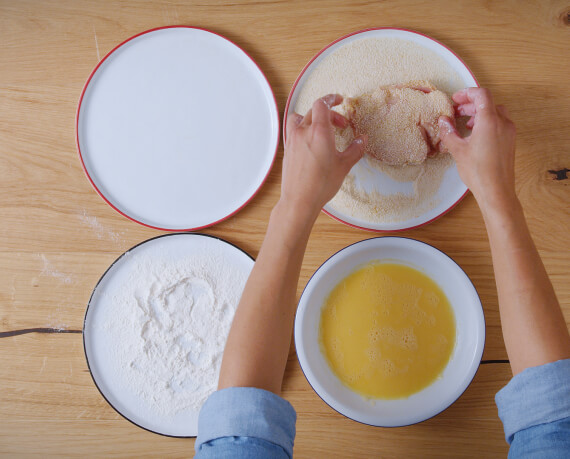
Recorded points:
169,325
362,66
100,231
49,269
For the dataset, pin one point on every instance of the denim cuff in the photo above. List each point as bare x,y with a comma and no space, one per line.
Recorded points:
537,395
247,412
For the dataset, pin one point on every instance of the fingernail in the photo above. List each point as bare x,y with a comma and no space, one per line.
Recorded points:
329,100
445,125
359,141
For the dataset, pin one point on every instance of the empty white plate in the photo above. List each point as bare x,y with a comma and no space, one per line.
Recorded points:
177,128
451,190
126,304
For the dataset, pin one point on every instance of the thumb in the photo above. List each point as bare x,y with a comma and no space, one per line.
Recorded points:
355,150
450,138
293,120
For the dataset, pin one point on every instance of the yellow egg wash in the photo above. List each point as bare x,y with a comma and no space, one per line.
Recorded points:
387,330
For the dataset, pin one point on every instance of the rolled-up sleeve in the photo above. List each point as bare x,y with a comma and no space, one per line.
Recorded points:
535,410
245,422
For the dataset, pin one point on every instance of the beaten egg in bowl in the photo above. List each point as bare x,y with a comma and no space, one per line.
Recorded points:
413,362
387,330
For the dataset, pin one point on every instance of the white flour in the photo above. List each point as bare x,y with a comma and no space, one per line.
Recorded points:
167,327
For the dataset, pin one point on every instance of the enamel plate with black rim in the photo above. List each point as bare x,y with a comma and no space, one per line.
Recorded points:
177,128
152,334
451,189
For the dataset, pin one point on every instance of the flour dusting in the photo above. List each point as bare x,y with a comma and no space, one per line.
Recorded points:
49,269
167,323
100,231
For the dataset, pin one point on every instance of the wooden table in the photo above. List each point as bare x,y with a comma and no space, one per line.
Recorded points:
57,236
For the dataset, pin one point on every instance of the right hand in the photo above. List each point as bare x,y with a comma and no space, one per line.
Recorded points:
313,169
485,159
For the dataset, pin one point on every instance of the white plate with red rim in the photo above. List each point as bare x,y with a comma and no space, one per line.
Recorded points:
452,189
177,128
465,357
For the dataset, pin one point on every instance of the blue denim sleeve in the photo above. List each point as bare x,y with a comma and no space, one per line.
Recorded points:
535,409
245,422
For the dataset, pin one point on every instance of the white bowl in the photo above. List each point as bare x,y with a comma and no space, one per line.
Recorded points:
464,361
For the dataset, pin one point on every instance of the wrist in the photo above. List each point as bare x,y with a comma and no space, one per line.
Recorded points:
497,202
501,208
298,212
295,219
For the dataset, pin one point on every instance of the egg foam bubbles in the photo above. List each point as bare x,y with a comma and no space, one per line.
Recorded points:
387,330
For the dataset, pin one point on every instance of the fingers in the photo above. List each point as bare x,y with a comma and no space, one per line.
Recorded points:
293,120
321,113
469,109
450,138
332,100
338,120
480,98
320,110
474,102
460,97
307,119
502,110
354,151
465,110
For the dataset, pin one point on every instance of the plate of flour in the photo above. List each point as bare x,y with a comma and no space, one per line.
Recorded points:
374,195
177,128
156,326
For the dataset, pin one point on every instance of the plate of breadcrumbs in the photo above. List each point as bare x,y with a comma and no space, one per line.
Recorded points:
395,84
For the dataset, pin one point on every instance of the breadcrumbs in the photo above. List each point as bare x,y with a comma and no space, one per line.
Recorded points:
399,120
360,67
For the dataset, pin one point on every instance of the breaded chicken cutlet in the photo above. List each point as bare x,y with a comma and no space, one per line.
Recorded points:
400,121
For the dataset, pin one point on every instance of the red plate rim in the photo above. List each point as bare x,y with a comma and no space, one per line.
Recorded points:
303,72
92,74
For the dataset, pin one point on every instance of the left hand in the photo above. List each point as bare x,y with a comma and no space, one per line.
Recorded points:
313,169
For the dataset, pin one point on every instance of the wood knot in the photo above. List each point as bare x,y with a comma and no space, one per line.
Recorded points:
561,174
565,17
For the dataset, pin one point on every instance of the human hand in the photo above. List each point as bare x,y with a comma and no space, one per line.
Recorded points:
485,159
313,169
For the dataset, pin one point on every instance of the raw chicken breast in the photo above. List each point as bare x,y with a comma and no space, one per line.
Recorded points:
400,121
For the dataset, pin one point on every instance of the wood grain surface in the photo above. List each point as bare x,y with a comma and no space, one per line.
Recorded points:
57,236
